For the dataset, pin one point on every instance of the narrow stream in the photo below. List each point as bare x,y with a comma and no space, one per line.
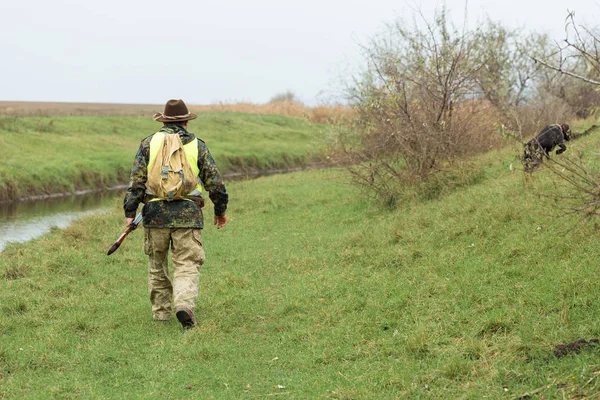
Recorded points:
24,220
28,219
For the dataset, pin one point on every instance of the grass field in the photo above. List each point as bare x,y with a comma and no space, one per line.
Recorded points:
312,292
64,153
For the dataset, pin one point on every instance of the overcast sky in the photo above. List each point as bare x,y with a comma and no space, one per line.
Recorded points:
205,51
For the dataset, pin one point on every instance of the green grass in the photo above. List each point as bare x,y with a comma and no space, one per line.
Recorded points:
55,154
312,292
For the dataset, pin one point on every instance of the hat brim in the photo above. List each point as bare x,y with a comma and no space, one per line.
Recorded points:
188,117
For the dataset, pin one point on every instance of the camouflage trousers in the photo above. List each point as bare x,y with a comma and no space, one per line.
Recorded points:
187,255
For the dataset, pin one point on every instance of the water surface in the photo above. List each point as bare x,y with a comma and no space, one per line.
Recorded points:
24,220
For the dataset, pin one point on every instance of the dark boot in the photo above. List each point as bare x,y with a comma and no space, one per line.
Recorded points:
186,317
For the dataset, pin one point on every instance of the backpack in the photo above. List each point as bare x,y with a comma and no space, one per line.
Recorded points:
170,176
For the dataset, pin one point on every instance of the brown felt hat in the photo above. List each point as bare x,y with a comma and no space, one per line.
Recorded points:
175,111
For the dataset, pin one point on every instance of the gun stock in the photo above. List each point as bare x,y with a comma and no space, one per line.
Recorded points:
131,227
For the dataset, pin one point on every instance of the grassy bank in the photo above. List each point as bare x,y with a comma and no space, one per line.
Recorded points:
56,154
311,292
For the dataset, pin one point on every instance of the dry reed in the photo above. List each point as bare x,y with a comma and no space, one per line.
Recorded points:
317,114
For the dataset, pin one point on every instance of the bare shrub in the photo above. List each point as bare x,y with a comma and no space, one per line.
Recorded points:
508,73
407,100
576,192
418,111
384,178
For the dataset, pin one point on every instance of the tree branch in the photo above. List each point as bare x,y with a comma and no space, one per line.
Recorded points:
571,74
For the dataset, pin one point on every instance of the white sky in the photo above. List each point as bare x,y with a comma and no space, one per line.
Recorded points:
205,51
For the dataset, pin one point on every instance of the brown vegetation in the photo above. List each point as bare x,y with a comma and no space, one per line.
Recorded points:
317,114
420,110
51,109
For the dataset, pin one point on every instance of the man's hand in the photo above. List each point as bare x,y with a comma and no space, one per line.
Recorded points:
129,221
220,222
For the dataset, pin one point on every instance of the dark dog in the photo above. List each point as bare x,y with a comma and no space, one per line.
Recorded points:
544,142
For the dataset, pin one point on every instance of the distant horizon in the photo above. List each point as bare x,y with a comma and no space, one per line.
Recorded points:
147,110
6,102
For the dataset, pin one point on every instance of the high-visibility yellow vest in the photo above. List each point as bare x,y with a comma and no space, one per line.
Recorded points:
191,153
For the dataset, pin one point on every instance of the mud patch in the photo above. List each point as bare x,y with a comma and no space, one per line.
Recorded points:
575,347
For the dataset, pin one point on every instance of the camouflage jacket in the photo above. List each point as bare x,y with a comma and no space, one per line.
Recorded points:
177,213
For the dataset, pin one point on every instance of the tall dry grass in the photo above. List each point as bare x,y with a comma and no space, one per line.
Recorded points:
317,114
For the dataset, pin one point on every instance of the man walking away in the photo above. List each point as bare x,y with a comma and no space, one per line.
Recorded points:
174,221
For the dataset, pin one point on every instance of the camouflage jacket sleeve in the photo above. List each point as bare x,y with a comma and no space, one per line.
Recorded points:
137,181
212,180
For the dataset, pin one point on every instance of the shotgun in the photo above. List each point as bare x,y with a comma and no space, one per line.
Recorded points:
131,227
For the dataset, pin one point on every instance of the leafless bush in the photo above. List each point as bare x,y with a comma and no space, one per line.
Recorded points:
576,191
508,74
419,110
413,102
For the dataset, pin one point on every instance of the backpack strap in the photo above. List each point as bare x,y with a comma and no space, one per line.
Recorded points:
155,147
